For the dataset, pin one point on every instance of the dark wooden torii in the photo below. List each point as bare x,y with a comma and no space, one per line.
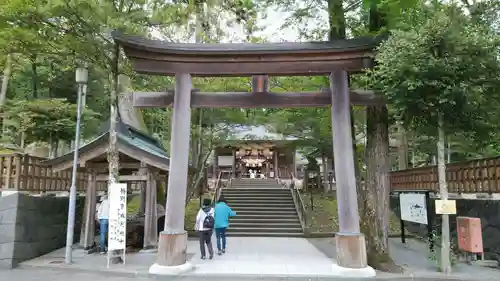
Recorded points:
334,58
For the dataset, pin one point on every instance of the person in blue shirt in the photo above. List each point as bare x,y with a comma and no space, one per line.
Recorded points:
222,214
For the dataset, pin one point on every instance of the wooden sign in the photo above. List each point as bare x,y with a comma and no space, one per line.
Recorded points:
446,207
117,231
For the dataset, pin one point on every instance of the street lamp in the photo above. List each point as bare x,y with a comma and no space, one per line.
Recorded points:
81,76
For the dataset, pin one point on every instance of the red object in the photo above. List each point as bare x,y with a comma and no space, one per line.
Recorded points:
470,238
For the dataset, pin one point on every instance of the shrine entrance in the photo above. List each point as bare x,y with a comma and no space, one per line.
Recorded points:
334,59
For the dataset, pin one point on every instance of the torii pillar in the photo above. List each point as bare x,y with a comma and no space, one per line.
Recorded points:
172,247
350,242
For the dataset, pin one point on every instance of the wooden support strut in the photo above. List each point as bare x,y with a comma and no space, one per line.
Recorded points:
253,99
260,83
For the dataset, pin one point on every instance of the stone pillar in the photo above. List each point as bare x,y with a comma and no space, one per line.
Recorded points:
233,168
88,228
172,248
350,243
150,216
294,163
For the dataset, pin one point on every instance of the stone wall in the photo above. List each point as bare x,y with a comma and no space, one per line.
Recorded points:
487,210
33,226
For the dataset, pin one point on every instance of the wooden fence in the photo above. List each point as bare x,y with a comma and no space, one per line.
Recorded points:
475,176
23,172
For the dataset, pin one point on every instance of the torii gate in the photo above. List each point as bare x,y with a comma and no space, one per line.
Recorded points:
183,61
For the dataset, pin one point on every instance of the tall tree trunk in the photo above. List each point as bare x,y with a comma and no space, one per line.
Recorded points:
375,205
113,154
375,215
324,182
3,91
336,19
443,191
402,149
194,139
6,77
34,73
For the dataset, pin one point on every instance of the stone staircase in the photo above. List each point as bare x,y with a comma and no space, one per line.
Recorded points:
263,208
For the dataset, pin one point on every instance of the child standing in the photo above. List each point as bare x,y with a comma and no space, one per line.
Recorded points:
204,226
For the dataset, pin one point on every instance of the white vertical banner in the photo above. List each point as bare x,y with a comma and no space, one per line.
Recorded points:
117,232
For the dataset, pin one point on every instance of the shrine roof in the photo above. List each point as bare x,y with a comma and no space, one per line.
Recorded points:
341,45
131,142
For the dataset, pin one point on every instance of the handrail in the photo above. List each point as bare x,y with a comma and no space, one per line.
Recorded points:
218,187
299,204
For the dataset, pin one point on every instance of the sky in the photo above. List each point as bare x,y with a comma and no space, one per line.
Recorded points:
271,29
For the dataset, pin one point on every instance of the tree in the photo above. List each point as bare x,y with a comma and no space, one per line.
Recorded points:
47,120
440,71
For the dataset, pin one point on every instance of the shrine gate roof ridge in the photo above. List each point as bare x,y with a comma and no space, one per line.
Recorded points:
359,43
160,57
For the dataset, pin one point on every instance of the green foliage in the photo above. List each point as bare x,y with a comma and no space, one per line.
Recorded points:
46,120
439,62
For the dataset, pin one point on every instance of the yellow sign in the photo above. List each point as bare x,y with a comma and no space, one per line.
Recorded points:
446,207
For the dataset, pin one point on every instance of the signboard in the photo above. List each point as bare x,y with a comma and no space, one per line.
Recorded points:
117,217
224,161
413,207
446,207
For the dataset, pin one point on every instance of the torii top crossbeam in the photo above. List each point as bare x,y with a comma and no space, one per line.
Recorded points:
244,59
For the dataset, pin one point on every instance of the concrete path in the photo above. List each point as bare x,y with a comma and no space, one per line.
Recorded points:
256,256
37,274
414,257
258,259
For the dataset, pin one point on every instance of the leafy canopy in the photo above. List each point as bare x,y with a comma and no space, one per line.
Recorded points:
47,119
440,62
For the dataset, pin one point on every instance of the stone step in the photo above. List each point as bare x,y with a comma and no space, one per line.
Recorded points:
264,234
274,213
254,180
265,225
262,216
252,187
238,219
268,230
263,201
259,190
274,199
270,209
259,194
258,197
260,205
256,194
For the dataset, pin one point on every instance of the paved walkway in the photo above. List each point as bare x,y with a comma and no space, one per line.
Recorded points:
245,256
414,257
259,259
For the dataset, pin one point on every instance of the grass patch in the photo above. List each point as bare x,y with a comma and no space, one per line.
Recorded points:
133,204
324,217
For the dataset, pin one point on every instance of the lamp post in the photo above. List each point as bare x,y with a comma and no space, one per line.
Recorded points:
81,76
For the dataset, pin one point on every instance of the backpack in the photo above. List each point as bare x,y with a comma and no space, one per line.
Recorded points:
209,221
